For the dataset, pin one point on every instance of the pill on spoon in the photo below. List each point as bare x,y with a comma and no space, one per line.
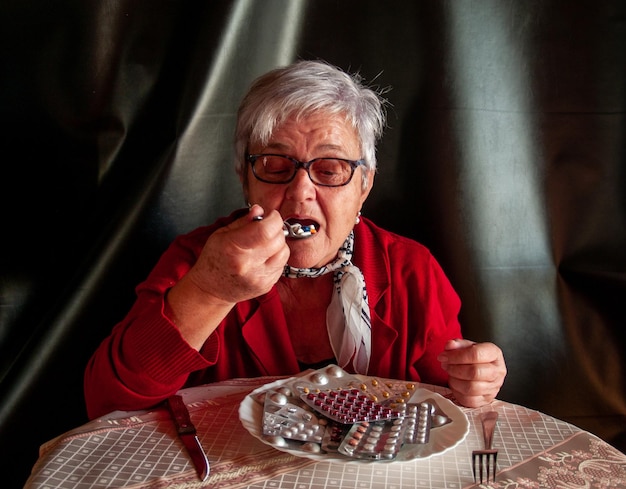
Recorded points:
296,230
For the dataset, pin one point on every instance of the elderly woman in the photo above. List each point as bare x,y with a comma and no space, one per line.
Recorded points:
245,297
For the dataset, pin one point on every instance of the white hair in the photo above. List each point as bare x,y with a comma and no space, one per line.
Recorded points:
301,89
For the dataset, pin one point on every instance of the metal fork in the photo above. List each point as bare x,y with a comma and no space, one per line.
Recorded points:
484,461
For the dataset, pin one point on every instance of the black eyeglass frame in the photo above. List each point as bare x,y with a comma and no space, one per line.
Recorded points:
305,165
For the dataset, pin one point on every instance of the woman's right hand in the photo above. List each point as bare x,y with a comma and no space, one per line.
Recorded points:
238,262
244,259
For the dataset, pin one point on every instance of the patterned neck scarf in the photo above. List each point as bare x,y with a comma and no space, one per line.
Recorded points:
348,315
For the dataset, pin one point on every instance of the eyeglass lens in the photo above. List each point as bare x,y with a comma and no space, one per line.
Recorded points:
324,171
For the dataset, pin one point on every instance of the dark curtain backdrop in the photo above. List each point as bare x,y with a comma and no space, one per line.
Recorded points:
504,154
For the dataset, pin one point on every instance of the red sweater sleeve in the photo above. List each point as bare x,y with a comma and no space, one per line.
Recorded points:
145,359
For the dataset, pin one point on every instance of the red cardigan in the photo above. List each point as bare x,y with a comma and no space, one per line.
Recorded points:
414,311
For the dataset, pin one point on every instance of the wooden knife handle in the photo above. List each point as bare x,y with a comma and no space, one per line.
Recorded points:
180,414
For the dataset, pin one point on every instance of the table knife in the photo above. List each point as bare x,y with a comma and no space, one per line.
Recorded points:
187,433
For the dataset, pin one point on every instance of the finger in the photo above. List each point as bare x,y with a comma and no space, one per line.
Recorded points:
275,264
268,237
469,352
472,394
256,213
457,344
267,232
450,352
472,401
476,372
257,229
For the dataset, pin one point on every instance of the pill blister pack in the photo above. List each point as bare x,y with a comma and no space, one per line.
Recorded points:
349,406
283,418
331,411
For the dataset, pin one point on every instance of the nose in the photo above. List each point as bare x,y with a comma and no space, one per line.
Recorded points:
301,187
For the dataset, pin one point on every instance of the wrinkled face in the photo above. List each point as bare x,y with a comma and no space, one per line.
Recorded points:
332,210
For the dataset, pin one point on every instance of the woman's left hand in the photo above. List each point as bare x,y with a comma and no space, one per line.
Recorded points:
476,370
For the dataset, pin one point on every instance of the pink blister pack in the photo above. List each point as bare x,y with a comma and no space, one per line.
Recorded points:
349,406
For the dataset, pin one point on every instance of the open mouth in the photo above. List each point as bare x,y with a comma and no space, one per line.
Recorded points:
300,228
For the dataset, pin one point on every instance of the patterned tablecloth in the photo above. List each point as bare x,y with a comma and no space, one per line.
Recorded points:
141,450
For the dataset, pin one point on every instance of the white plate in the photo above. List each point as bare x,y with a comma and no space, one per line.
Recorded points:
442,439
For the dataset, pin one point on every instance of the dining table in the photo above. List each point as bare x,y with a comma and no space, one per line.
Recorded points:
141,450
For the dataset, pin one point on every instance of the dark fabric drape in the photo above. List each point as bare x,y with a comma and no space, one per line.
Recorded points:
504,154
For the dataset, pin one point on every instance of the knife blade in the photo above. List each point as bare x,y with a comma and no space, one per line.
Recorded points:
187,433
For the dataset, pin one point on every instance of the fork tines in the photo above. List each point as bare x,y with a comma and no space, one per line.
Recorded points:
484,462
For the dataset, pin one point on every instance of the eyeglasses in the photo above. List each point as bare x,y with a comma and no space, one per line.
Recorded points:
328,172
